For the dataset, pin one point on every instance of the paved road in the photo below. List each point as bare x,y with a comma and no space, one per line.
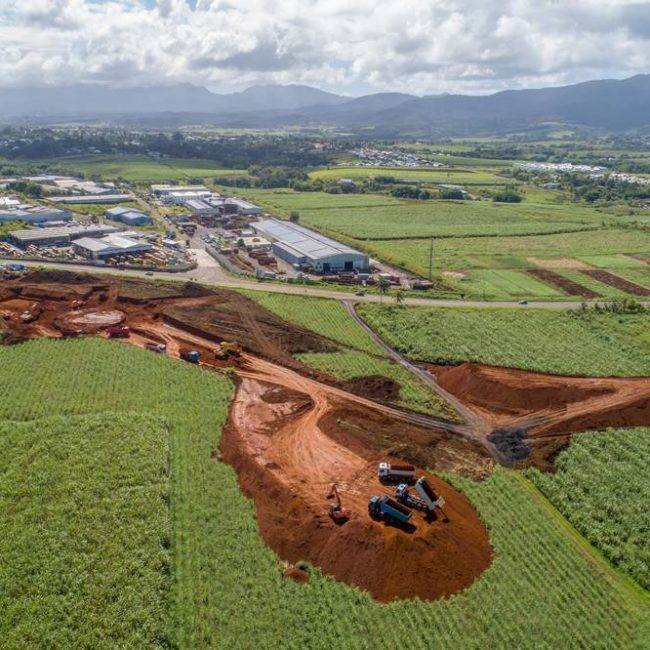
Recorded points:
210,273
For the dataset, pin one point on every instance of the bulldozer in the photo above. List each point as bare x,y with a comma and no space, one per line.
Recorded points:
336,511
227,350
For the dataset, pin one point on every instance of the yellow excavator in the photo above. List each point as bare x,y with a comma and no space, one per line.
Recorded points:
226,350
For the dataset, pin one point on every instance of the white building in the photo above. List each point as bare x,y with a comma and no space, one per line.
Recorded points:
99,249
303,247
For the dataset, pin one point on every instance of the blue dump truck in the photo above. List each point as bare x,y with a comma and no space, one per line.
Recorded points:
190,355
388,510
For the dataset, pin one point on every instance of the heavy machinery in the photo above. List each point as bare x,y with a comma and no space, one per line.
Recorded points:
388,473
388,510
405,497
336,511
227,350
192,356
156,347
430,498
31,314
119,332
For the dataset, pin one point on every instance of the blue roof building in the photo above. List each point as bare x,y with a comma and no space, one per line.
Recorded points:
128,216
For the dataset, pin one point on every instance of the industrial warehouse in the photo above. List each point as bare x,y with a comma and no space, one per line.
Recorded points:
305,248
110,246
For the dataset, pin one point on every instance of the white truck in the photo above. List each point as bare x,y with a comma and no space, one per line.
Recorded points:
430,498
388,472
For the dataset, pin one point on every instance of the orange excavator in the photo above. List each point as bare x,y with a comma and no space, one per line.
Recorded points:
336,511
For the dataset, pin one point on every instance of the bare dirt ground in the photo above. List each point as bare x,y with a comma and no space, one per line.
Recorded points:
279,441
544,409
292,431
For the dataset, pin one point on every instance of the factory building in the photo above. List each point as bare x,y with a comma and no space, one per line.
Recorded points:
38,214
100,249
244,207
128,216
178,194
57,236
200,208
303,247
91,198
77,186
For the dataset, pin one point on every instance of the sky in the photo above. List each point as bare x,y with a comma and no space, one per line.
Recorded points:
348,46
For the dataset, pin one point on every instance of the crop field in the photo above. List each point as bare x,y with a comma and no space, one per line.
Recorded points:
539,340
100,484
413,394
640,275
222,593
321,315
496,283
433,176
141,168
605,290
600,486
459,253
105,382
613,261
284,201
413,219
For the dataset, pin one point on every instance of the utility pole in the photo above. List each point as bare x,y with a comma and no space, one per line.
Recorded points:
431,259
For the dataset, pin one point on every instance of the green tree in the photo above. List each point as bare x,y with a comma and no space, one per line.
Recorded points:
383,285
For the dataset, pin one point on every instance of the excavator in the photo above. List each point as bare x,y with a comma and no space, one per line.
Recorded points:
227,350
336,511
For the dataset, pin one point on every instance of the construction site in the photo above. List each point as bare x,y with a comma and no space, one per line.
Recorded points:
340,475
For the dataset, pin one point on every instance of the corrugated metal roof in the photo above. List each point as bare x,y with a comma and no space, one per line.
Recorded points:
91,244
62,232
306,242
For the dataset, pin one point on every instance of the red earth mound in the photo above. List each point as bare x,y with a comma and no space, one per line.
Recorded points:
286,462
534,413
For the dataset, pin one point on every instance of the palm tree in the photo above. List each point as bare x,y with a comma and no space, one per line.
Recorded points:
384,286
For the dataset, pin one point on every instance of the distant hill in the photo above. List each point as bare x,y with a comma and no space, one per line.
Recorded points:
611,105
95,100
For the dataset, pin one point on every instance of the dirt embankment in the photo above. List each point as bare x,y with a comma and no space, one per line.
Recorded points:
288,450
532,415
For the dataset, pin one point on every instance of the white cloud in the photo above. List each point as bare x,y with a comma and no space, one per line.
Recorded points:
422,46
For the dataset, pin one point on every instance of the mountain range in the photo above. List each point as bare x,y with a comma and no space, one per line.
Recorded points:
611,105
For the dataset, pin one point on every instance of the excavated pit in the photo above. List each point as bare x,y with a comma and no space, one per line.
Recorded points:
286,461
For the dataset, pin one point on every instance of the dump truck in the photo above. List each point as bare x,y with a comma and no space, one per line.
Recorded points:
406,498
388,472
192,356
119,332
388,510
156,347
430,498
